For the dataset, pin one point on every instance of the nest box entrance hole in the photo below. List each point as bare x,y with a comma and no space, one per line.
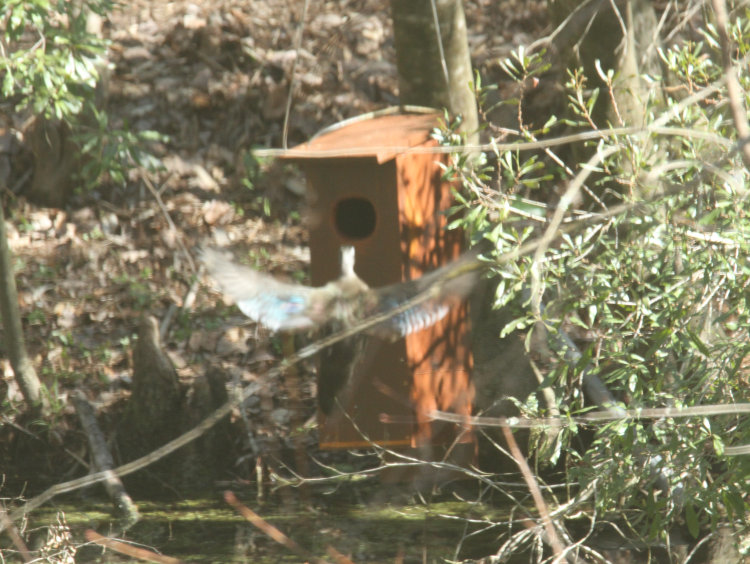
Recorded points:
354,218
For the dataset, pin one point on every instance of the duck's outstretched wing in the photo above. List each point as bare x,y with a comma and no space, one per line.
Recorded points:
283,306
277,305
434,294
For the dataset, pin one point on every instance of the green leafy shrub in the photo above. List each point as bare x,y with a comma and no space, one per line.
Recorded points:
50,65
651,272
50,62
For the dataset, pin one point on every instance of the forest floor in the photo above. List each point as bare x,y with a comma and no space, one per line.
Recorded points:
213,78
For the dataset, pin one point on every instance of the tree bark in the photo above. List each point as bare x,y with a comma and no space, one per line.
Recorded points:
435,72
618,35
23,369
54,161
162,407
152,416
102,459
624,40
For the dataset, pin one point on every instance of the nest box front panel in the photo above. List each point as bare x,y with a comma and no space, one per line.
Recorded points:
439,357
394,213
355,203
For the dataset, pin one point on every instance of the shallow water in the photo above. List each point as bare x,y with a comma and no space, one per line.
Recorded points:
357,522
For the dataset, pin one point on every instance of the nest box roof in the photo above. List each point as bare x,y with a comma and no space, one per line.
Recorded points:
381,137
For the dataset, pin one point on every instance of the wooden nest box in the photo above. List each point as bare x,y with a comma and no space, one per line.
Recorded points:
370,187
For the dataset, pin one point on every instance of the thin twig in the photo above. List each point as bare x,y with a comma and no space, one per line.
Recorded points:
495,145
594,416
549,527
129,550
168,219
337,556
269,530
292,72
734,90
439,41
102,459
14,536
187,304
550,232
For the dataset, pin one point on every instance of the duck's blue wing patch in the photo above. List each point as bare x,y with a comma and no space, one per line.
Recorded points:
277,311
439,290
277,305
411,320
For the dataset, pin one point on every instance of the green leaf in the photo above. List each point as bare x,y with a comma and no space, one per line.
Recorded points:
658,340
698,342
735,503
718,445
691,519
516,324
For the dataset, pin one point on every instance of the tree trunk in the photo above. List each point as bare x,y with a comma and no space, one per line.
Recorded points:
423,61
54,160
127,511
24,372
152,416
622,36
594,32
162,407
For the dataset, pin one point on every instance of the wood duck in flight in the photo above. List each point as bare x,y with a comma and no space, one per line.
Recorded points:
283,306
